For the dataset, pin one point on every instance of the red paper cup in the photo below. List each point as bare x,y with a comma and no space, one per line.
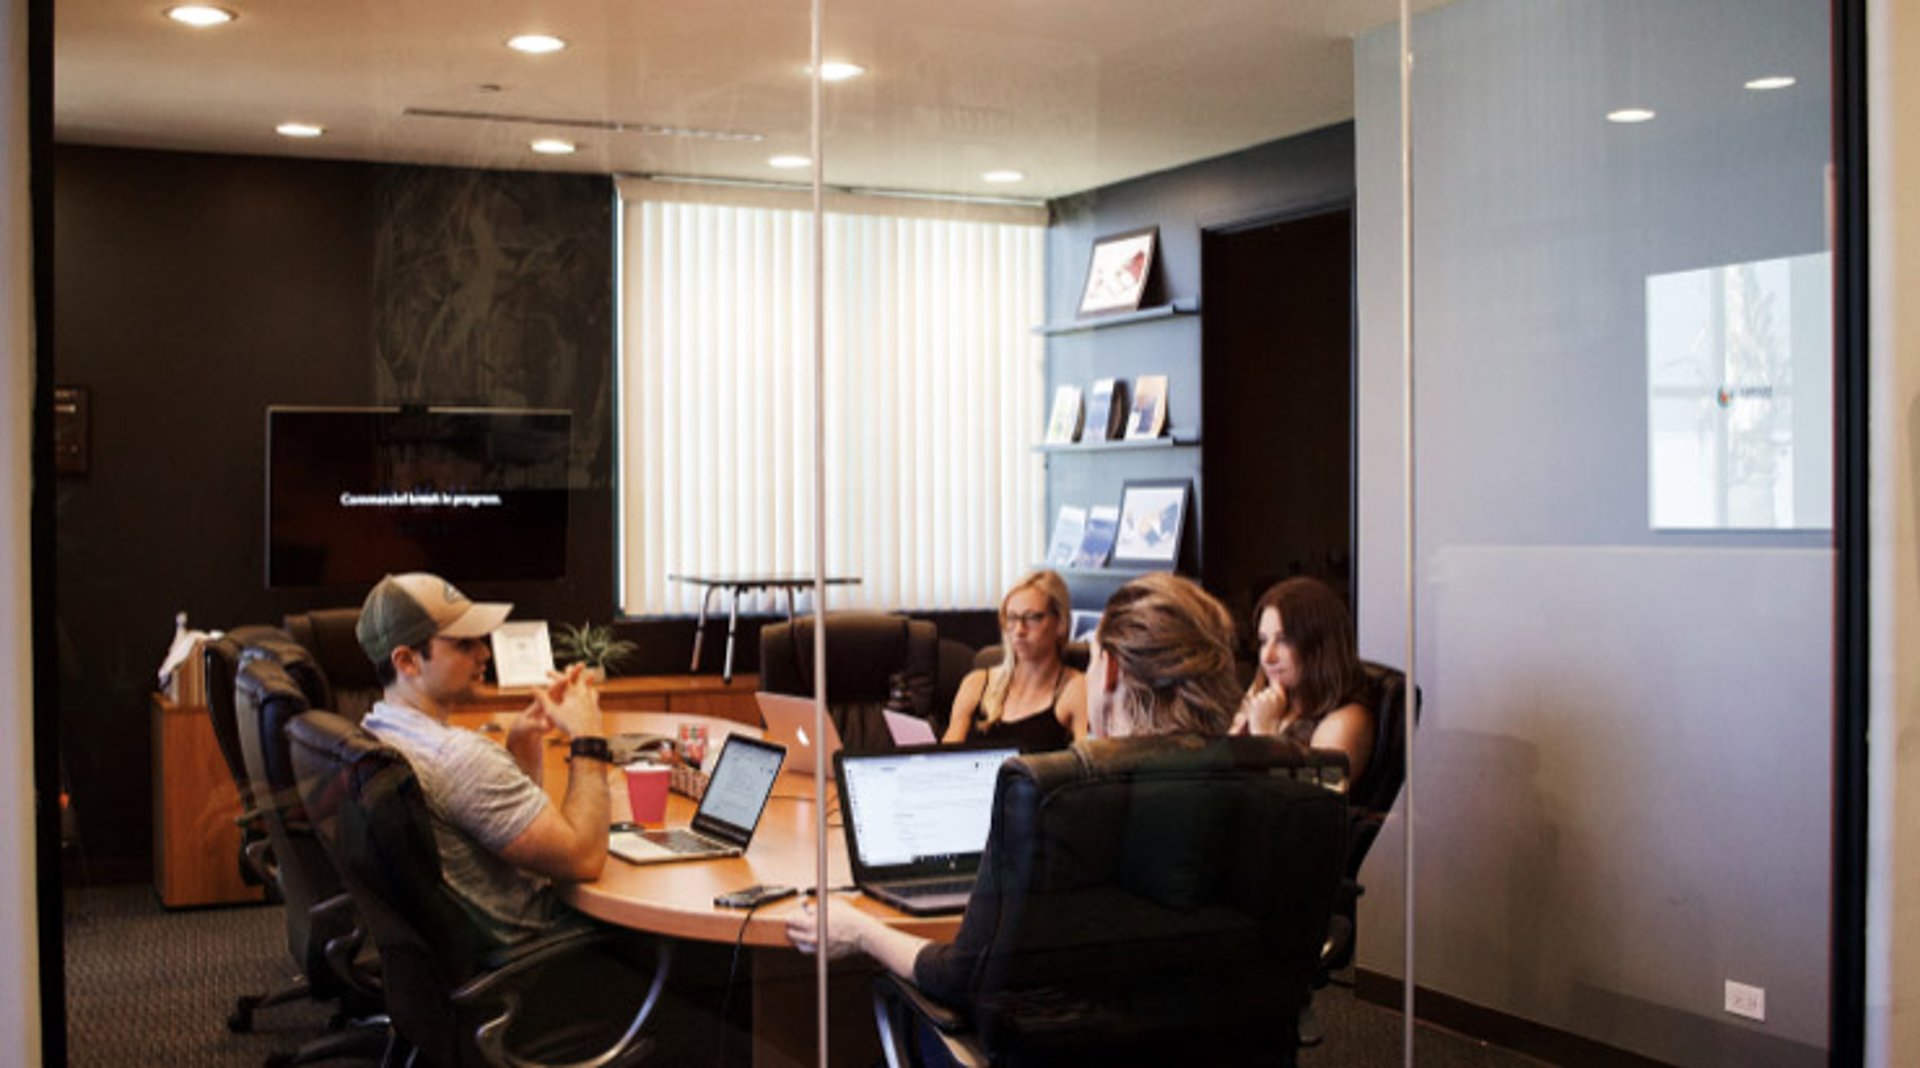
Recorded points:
647,792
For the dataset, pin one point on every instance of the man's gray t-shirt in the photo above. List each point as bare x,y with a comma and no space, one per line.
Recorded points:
480,800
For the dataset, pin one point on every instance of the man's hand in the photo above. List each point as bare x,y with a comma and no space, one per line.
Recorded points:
570,704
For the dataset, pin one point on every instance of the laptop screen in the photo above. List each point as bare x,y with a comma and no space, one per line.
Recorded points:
921,809
737,792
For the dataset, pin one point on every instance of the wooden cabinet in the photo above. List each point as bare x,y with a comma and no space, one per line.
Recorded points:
196,844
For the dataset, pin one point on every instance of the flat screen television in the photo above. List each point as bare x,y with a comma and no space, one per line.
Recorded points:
473,494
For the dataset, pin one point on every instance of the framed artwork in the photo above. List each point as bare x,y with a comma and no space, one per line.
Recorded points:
1153,514
1082,626
1117,272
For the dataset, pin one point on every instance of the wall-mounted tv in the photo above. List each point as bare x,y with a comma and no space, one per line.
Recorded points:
474,494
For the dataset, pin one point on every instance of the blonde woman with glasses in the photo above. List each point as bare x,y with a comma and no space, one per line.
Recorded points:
1031,699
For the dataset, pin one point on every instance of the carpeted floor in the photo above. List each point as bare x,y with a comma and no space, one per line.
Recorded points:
146,986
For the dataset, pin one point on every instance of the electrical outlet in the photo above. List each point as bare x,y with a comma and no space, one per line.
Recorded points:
1748,1001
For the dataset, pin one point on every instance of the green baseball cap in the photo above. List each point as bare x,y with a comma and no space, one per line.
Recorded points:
409,609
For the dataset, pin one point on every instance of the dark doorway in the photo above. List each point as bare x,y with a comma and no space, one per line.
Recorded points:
1277,394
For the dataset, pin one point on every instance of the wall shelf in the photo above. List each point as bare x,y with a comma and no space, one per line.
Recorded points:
1118,444
1144,315
1127,573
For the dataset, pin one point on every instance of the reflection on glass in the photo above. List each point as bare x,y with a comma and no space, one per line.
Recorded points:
1731,443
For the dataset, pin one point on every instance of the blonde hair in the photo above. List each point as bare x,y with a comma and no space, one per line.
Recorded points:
1048,584
1173,642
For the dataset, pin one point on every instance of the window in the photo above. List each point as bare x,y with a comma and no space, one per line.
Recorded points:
932,394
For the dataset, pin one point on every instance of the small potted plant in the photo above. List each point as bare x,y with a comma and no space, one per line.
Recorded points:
594,646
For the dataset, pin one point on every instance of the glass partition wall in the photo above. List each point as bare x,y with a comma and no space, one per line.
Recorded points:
931,377
1622,429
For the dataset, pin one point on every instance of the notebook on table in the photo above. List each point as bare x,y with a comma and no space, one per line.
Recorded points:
916,821
723,825
789,721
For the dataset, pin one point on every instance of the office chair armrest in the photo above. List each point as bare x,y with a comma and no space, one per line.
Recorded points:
897,1004
343,950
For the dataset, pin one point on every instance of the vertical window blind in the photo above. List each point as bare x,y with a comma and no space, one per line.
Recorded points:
933,395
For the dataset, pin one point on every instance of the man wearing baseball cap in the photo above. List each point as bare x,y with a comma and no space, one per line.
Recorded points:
502,842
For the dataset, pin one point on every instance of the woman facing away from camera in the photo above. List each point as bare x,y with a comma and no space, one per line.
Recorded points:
1031,699
1161,662
1310,687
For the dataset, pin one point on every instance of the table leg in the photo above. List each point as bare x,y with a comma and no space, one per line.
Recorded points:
733,623
700,628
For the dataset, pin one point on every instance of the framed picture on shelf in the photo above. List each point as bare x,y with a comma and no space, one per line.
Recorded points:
1096,540
1117,272
1082,627
1153,515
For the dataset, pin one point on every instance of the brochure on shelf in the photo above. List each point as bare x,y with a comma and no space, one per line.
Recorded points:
1103,523
1067,530
1064,426
1149,407
1107,409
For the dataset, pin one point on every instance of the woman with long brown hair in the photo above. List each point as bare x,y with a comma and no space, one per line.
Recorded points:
1310,686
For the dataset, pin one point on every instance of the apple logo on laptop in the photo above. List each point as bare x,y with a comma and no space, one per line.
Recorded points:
804,740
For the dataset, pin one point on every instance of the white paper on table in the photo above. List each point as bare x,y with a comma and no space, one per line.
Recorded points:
522,653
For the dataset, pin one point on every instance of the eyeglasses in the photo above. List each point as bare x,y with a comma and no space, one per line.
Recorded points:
1031,619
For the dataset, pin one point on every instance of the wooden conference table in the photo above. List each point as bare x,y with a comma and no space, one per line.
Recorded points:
676,900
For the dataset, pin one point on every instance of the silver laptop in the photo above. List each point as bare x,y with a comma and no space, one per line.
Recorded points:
917,821
908,729
729,811
790,722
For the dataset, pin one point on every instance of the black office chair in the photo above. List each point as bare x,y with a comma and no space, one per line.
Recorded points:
455,999
1141,901
220,662
1370,800
865,650
220,659
328,635
276,682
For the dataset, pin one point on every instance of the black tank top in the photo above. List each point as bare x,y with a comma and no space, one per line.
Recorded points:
1037,733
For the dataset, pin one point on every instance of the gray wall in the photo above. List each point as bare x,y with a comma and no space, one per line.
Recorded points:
1623,768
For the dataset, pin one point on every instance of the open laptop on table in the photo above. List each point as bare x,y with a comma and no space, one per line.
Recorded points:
790,722
917,820
737,792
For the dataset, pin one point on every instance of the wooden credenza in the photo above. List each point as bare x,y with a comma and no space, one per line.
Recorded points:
704,695
196,844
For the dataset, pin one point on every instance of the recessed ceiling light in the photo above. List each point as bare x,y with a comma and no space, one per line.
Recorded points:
788,163
200,14
1002,177
1778,81
553,146
840,72
299,129
1630,115
536,44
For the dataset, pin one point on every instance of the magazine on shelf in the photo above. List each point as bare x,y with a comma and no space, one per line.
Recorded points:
1064,426
1107,409
1103,522
1067,530
1149,407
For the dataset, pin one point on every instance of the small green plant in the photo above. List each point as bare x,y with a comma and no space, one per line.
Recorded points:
593,646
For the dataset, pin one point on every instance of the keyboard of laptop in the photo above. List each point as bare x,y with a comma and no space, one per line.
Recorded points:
934,888
679,840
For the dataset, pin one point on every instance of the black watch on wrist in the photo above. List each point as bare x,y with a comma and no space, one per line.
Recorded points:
592,748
